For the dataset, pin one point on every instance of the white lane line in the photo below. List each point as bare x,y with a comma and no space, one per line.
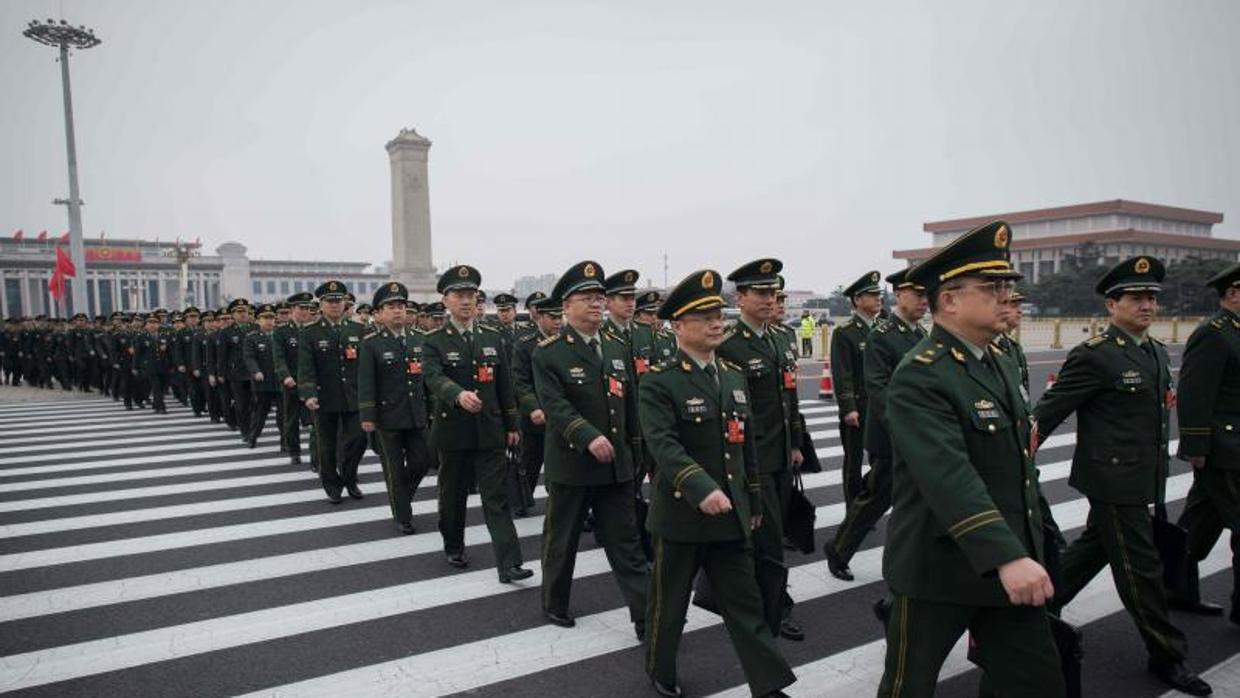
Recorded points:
19,406
484,662
59,428
132,460
202,433
125,448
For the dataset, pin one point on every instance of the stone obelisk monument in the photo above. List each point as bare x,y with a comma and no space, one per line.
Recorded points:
411,215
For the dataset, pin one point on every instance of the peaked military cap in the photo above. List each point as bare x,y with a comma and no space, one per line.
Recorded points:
482,296
760,273
435,309
176,316
868,283
622,282
208,314
414,306
331,291
460,276
392,291
192,310
582,276
100,318
982,251
649,301
901,280
504,301
238,303
363,308
267,309
283,307
1132,275
152,318
349,298
533,298
117,315
780,293
1016,297
1225,279
697,292
79,315
301,298
549,305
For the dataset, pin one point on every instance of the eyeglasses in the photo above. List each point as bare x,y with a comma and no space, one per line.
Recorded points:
990,288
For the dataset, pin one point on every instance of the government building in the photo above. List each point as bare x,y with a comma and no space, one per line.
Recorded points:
1042,238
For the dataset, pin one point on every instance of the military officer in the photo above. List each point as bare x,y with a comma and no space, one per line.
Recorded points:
847,366
1119,385
258,350
1007,343
584,385
705,496
362,315
547,313
505,318
651,342
770,373
327,354
232,362
964,540
391,400
476,419
891,339
184,355
1209,415
199,364
287,338
152,362
434,314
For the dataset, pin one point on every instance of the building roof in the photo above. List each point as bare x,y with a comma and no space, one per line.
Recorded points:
1100,236
1098,208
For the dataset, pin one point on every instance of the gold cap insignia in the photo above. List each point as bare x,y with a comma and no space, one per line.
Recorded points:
333,286
874,277
708,280
589,271
766,267
1001,237
462,272
628,278
393,287
1142,266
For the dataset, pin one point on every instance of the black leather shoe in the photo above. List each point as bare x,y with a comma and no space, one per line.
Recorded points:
837,567
334,497
407,528
458,560
1234,617
295,459
354,491
559,618
665,690
514,573
882,611
252,441
789,630
639,629
1201,608
1177,676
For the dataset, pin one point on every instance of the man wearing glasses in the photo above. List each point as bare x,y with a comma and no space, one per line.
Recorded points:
964,542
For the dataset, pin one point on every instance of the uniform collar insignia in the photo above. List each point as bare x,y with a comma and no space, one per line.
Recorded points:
984,405
958,355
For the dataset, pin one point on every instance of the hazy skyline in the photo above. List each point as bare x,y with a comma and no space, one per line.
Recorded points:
822,133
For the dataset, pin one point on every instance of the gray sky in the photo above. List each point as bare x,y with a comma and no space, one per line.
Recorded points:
824,133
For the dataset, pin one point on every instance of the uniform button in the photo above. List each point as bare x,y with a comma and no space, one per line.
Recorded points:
1026,482
1025,451
727,456
991,427
1114,460
1029,512
729,476
612,411
676,494
697,419
613,430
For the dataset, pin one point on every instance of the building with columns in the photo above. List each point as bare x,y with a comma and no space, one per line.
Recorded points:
1042,238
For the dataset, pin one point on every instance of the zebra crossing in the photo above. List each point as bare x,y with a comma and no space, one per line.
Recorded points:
153,555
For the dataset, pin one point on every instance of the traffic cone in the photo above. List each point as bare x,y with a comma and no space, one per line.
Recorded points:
826,386
1050,380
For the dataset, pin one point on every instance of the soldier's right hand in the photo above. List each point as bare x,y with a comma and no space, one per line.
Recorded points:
537,417
211,381
602,449
368,427
312,403
290,383
469,401
853,419
1026,582
1197,462
716,503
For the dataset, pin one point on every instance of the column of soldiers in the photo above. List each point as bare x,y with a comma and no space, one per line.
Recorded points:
702,417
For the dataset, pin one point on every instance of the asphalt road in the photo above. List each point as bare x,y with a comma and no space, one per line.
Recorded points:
145,555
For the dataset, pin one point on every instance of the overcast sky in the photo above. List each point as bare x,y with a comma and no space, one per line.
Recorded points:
823,133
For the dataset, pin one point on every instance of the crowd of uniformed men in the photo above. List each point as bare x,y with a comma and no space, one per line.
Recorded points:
605,387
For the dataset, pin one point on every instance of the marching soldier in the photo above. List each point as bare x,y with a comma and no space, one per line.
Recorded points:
964,539
505,319
887,345
476,419
547,313
362,315
200,363
327,381
152,361
286,338
1209,414
651,342
1119,384
258,351
1006,341
847,351
219,368
705,496
232,363
82,339
585,387
621,304
391,400
770,373
183,355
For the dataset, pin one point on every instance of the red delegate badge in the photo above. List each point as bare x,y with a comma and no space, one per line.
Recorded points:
736,431
790,380
1170,399
350,353
485,374
415,367
641,365
615,387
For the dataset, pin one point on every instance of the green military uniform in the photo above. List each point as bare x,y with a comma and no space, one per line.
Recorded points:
532,435
1209,415
231,362
586,388
651,343
391,396
258,350
1121,390
471,358
694,419
327,355
848,371
152,359
287,338
965,500
891,340
770,371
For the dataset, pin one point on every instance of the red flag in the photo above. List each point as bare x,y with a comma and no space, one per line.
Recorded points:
19,235
64,265
65,237
56,287
43,236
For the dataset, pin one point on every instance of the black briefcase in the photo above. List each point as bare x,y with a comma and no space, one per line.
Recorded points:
1172,544
772,577
799,518
1067,639
519,495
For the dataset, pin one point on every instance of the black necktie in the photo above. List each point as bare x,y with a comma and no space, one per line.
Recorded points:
593,344
710,371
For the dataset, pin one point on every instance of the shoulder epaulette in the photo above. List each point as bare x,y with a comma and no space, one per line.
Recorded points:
488,328
1217,323
729,365
1156,341
612,336
372,333
550,340
437,330
929,355
995,346
658,368
1095,341
729,332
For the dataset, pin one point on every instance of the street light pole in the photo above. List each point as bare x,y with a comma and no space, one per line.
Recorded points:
63,35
